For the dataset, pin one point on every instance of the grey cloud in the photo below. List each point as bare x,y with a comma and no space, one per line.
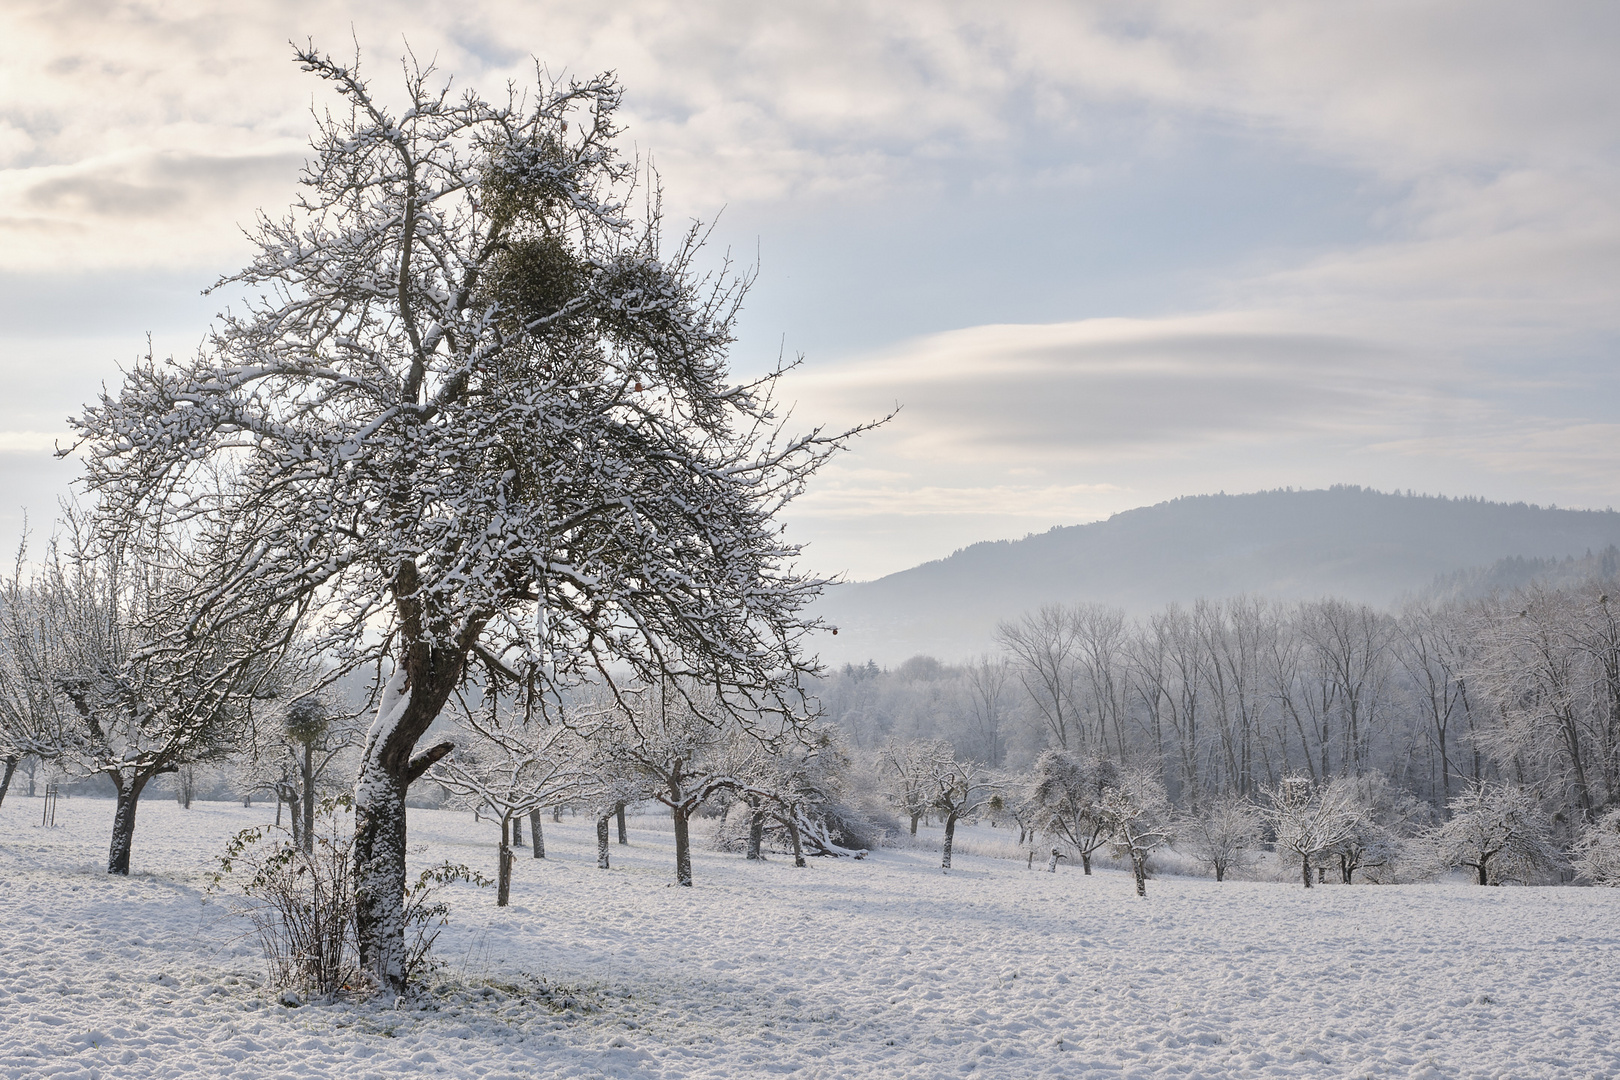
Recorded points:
1153,392
101,196
158,184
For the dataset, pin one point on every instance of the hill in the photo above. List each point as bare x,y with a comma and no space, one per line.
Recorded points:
1344,541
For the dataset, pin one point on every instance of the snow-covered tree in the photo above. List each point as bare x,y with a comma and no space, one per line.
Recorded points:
613,784
686,750
32,718
1309,819
479,407
906,772
1065,791
802,787
298,742
1136,815
144,684
958,789
1499,831
1383,818
1221,833
1597,851
514,765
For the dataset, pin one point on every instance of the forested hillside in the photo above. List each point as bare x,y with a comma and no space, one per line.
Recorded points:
1346,542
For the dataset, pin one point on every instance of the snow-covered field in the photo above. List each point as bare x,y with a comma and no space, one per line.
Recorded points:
881,968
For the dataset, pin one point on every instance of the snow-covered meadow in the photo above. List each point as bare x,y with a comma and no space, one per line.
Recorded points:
878,968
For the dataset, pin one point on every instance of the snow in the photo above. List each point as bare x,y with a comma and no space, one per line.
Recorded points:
877,968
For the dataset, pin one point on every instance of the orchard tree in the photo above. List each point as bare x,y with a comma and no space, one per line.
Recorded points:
686,750
906,773
1498,831
33,722
1221,832
1310,819
479,408
958,789
295,747
143,683
514,769
1135,813
1065,792
1597,851
1383,817
803,786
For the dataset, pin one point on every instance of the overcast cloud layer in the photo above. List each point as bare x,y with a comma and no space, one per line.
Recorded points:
1101,255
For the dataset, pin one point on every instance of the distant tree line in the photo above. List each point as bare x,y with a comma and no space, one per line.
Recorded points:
1261,703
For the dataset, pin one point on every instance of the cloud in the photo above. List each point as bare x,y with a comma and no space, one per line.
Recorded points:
1457,332
1099,389
138,208
31,442
744,102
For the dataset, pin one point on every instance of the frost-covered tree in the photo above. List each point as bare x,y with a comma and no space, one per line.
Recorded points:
1500,832
686,750
1064,792
907,771
478,407
1383,818
1221,833
1135,813
514,765
145,684
958,789
32,720
1309,819
803,788
613,785
1597,851
297,744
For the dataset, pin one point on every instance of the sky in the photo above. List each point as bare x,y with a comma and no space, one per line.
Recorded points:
1099,255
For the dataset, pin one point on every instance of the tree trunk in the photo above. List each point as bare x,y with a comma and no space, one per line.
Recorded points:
1220,872
1139,866
1085,861
309,798
798,846
1484,878
914,818
602,842
683,849
756,832
950,838
379,875
556,814
1305,869
5,781
503,877
618,812
387,768
123,833
536,836
517,830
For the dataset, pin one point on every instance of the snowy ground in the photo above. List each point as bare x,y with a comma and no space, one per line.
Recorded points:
882,968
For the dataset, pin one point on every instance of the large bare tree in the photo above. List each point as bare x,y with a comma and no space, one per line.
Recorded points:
478,412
